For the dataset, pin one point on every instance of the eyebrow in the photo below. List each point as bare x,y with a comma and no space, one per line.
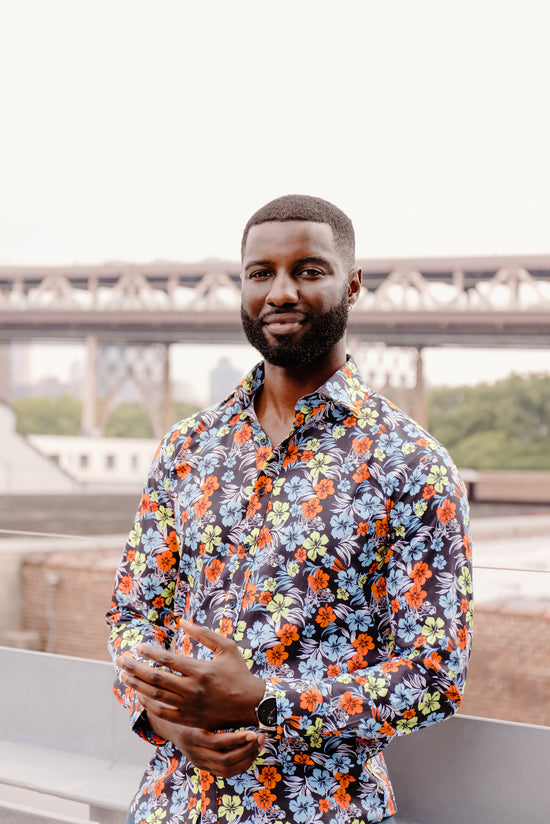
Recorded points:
309,259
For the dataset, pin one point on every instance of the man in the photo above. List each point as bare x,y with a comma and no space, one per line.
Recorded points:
296,590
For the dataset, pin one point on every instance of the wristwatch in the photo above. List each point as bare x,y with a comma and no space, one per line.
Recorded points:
267,710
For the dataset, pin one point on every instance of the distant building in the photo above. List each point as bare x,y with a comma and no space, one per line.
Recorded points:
223,378
99,463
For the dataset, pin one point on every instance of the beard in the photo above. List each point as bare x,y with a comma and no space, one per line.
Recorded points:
317,341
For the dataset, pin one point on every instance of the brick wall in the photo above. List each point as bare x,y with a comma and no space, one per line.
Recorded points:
66,597
509,675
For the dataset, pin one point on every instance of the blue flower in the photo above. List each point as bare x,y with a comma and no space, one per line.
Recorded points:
338,763
321,781
401,697
334,647
358,621
413,550
296,488
439,562
311,669
231,512
258,634
389,483
294,536
303,807
342,525
408,628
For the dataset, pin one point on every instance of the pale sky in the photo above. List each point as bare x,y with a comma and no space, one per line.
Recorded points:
146,129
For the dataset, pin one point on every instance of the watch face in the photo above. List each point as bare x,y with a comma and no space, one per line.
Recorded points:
267,711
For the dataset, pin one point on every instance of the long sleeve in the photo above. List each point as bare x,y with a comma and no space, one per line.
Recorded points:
144,589
419,583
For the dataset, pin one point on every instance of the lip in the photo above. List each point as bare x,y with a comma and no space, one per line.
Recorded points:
284,323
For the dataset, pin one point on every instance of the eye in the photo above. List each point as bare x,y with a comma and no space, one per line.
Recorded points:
259,274
311,273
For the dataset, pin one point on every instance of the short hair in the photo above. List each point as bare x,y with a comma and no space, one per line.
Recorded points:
308,208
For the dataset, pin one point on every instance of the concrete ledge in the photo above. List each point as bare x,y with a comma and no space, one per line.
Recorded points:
63,733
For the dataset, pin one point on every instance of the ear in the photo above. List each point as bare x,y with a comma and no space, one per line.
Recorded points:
354,286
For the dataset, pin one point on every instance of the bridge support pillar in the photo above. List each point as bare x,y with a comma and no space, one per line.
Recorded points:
5,372
394,371
111,366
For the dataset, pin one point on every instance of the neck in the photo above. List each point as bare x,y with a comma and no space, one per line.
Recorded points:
283,388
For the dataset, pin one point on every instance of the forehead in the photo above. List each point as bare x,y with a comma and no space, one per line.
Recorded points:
290,239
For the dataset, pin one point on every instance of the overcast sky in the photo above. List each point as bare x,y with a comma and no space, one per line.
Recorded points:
141,130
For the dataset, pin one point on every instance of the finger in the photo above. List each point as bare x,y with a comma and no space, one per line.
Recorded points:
179,663
152,680
217,643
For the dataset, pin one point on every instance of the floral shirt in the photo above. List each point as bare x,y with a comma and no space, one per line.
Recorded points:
338,561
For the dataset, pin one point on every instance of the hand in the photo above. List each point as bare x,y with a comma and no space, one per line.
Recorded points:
223,753
213,695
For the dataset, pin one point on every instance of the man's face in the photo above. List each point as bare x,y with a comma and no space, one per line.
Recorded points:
294,292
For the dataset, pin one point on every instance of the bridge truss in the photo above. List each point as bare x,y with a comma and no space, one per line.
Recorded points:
138,311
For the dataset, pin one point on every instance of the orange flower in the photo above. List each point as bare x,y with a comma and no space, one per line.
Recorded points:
344,779
214,570
351,703
158,602
263,484
182,470
324,488
382,527
363,643
165,561
342,798
464,604
362,528
387,729
415,596
395,604
453,693
378,589
264,798
265,597
307,455
319,580
428,491
462,637
276,655
311,507
433,661
253,506
288,633
126,584
362,445
145,504
310,698
172,541
291,455
333,670
361,473
210,485
303,758
185,516
325,616
269,777
300,554
420,573
264,537
324,803
226,626
203,504
262,454
243,434
356,662
446,512
250,595
467,545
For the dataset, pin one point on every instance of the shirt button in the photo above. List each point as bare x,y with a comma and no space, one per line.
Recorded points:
232,603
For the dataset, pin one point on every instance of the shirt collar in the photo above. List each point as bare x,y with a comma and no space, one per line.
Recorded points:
346,388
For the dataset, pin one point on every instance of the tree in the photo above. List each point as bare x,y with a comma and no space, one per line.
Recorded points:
48,416
505,425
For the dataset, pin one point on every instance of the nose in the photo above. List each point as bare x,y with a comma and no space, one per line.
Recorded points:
283,290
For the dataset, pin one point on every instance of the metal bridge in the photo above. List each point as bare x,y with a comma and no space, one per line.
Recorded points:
502,301
136,311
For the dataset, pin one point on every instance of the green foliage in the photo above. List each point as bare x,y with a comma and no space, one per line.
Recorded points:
182,410
129,420
505,425
48,416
